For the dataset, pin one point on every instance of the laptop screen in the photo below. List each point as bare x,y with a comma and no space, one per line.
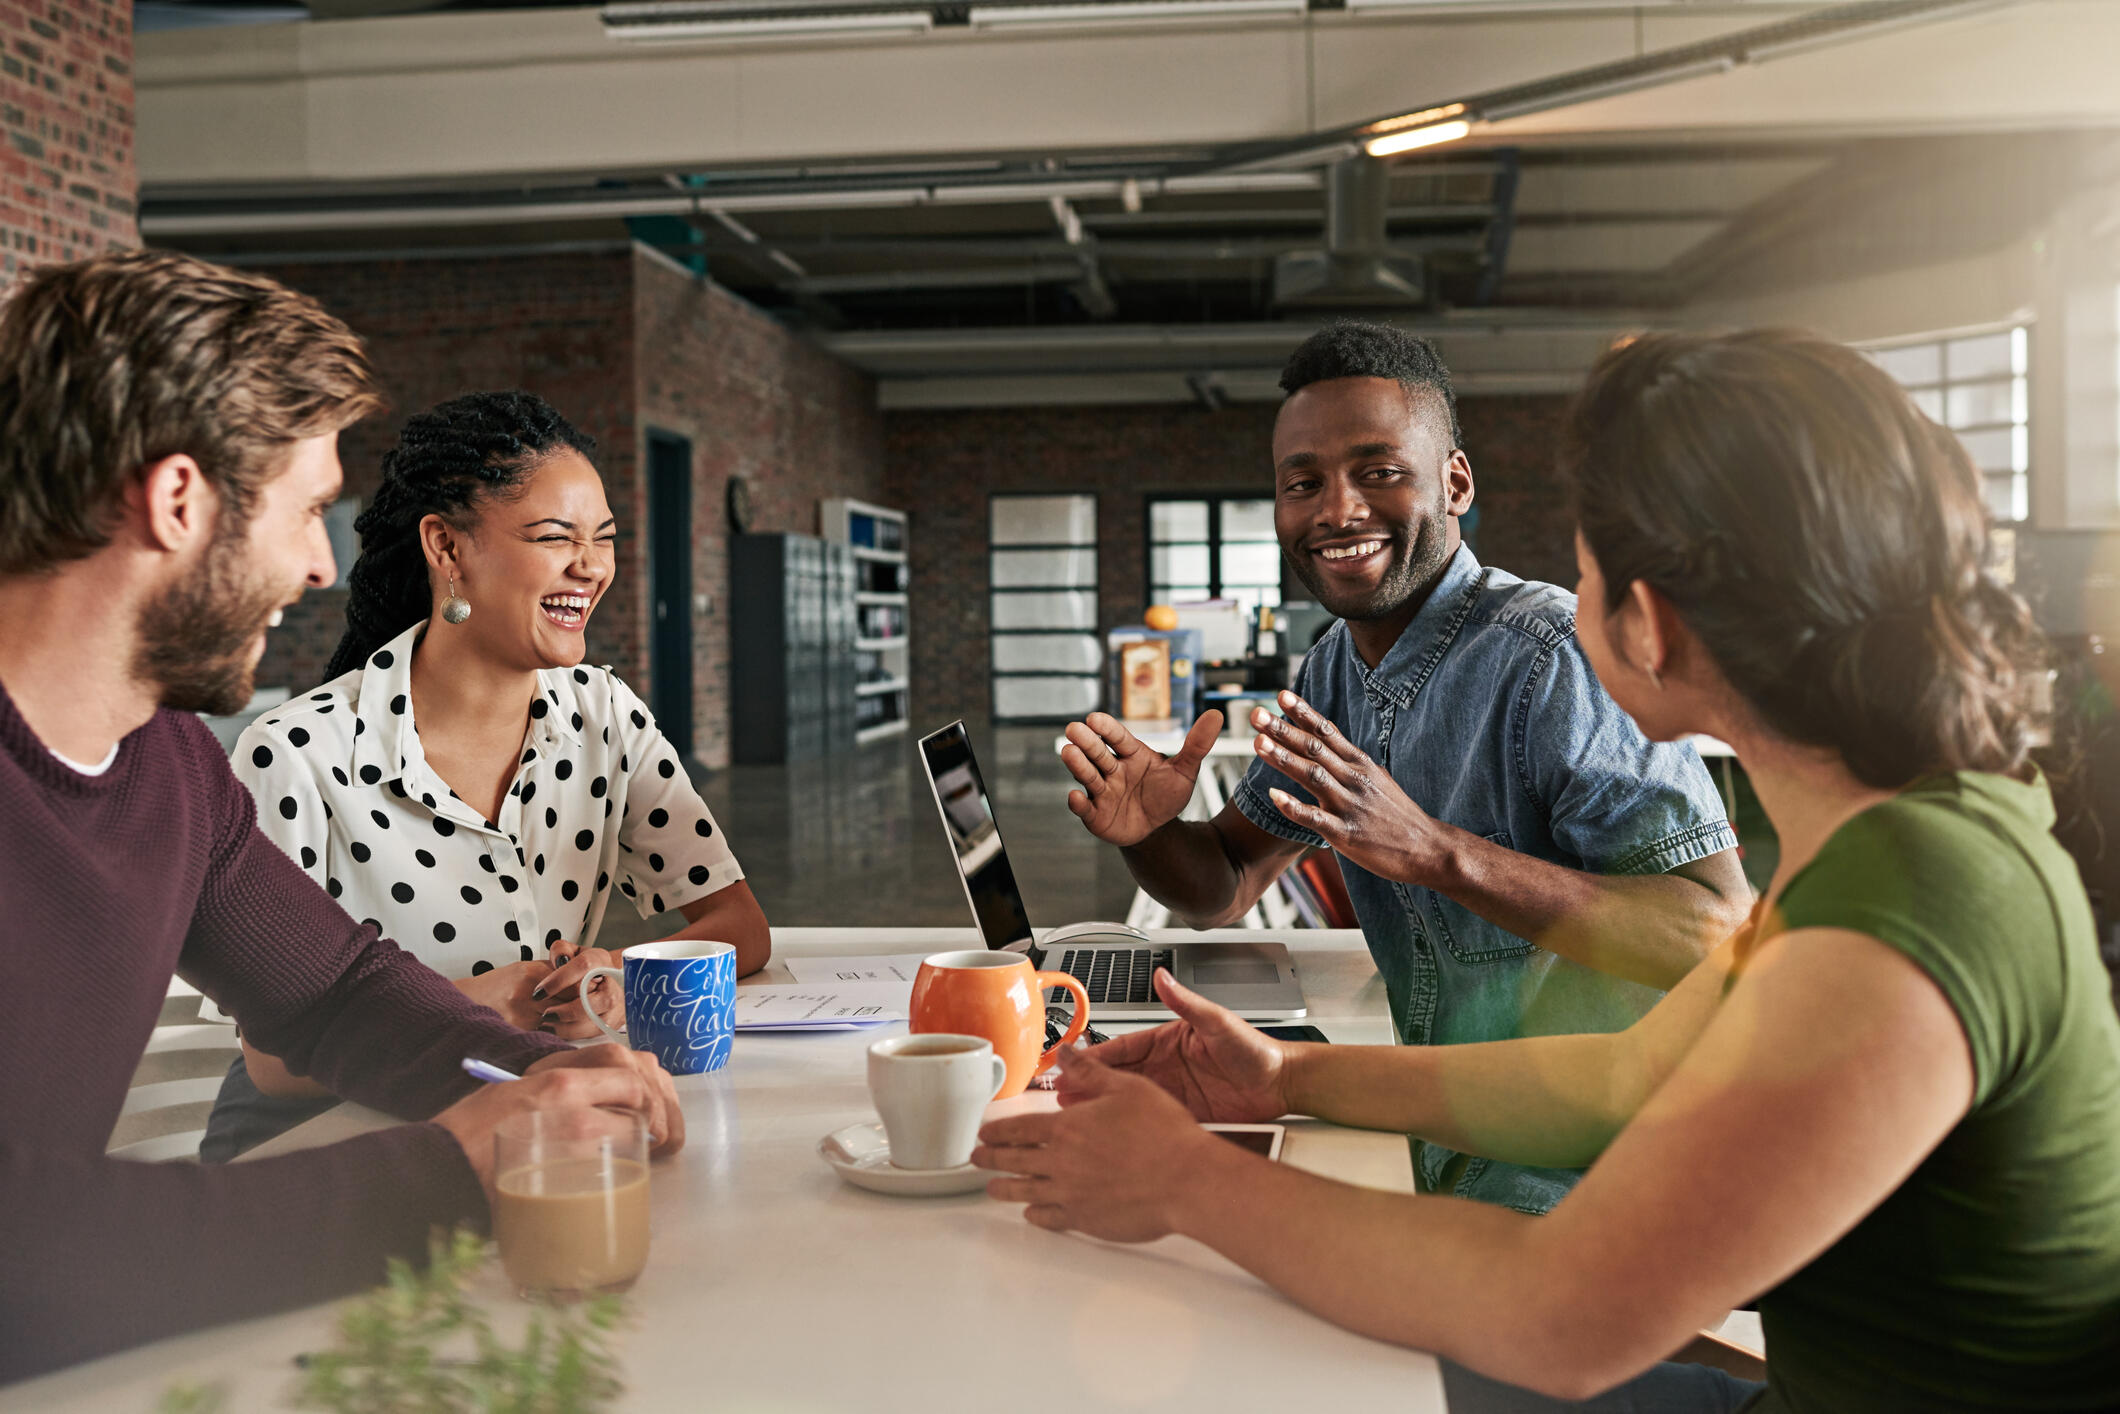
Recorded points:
975,838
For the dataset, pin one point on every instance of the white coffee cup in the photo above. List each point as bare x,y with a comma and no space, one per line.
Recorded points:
931,1091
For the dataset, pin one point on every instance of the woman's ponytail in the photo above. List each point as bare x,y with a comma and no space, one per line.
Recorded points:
1823,539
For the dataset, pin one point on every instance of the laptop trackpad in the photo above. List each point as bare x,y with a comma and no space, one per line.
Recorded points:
1233,974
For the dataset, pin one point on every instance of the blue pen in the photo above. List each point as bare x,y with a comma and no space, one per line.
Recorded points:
480,1070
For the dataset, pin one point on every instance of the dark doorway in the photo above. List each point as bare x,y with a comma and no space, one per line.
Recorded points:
670,587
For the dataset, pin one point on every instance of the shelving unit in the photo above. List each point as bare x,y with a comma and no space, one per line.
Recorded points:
876,539
791,645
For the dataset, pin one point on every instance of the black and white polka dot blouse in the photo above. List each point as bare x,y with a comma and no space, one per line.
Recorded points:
599,807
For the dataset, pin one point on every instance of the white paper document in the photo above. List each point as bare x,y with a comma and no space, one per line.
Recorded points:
900,968
799,1006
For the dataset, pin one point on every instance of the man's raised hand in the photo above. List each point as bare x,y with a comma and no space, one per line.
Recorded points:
1129,792
1360,811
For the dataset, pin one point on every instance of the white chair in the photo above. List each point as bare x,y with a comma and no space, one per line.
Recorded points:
173,1090
1736,1347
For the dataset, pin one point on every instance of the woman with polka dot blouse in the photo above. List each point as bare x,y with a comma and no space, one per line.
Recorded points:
463,782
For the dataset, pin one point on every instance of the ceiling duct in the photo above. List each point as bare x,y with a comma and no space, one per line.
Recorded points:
1357,268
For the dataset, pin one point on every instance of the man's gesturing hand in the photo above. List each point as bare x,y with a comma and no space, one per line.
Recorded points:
1223,1070
1360,810
609,1077
1129,792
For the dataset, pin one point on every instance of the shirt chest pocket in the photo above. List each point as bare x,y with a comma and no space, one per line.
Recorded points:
1466,936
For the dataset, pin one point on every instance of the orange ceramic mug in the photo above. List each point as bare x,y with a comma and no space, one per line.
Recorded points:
997,995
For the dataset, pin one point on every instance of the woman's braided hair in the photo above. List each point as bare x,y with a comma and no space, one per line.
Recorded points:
446,461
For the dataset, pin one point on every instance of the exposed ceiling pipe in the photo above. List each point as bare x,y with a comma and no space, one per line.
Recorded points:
1822,29
986,278
237,221
1089,291
1249,167
780,267
1195,345
1357,267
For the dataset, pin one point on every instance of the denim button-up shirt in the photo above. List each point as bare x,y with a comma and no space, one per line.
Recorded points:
1488,716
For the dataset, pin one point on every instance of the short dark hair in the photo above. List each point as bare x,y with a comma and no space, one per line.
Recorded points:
1350,348
112,363
1824,540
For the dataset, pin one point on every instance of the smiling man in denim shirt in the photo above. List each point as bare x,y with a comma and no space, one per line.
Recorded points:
1523,860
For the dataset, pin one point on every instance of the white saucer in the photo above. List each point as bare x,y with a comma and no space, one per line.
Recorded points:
862,1155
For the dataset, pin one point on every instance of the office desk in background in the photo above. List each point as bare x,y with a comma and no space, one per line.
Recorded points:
772,1285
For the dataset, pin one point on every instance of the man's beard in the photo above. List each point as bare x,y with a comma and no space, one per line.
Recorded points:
1410,577
195,637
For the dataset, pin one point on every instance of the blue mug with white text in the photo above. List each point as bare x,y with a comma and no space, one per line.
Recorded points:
680,1003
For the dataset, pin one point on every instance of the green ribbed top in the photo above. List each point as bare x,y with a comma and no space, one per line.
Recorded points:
1991,1279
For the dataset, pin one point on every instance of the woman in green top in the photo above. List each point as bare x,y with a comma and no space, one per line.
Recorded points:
1889,1109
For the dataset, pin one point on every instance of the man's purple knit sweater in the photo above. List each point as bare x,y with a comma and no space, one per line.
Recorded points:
108,885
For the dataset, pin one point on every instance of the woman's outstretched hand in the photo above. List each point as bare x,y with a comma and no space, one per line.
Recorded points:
1120,1162
1222,1069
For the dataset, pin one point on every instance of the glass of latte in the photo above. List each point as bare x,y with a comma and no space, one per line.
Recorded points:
571,1212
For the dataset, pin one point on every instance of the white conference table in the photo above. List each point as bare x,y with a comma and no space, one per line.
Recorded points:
773,1286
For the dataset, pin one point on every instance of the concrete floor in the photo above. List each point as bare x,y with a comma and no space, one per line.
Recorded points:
855,840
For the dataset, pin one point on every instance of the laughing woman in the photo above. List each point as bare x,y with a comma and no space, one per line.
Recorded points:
1888,1108
463,783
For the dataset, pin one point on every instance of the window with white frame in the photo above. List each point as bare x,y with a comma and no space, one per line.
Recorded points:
1046,660
1979,385
1213,547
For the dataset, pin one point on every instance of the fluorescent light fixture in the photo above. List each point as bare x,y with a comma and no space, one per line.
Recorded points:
696,26
1412,138
1125,12
1414,120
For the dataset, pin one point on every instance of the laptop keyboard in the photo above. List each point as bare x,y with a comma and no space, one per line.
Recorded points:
1112,975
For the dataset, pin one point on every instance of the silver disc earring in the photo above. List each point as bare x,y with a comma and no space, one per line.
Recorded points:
455,610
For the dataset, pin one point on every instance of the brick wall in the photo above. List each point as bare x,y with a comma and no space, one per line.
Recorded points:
625,342
944,465
67,187
756,401
1524,526
560,326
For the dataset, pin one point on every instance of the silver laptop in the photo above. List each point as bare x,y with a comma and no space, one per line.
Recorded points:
1114,963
